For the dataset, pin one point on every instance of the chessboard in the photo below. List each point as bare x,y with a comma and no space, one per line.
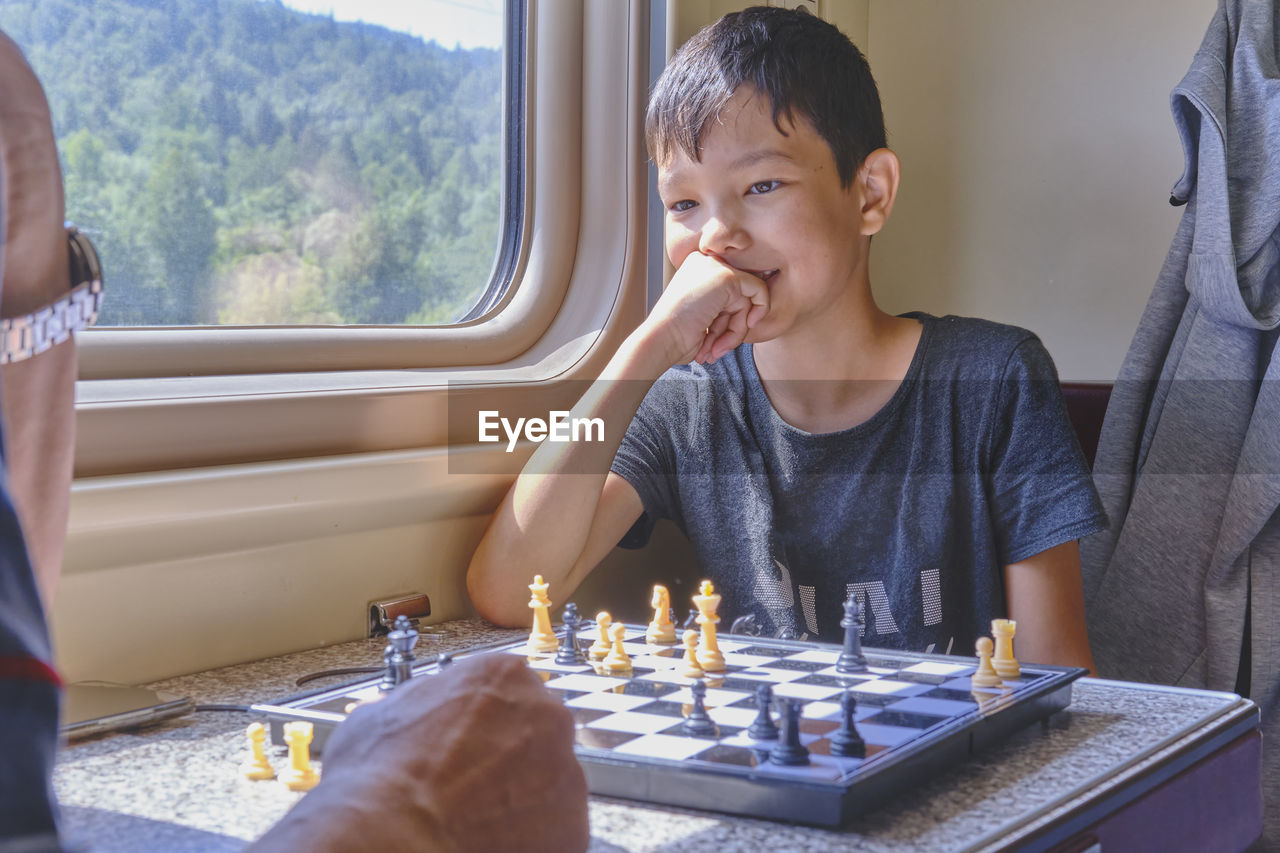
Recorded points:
918,714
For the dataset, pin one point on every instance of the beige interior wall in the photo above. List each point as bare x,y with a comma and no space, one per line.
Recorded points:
686,17
1038,153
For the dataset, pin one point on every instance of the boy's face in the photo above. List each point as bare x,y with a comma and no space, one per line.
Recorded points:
771,205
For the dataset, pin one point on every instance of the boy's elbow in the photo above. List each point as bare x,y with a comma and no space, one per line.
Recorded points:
486,597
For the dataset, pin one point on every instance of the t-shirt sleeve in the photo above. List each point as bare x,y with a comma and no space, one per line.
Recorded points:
647,457
1042,493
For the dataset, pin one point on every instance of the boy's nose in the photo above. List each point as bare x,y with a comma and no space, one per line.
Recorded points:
721,234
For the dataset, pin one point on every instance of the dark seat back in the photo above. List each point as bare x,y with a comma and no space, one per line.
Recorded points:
1086,406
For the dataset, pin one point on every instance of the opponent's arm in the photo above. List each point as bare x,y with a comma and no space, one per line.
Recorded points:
566,510
39,393
1046,599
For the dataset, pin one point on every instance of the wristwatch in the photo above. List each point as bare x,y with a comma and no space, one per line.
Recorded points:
44,328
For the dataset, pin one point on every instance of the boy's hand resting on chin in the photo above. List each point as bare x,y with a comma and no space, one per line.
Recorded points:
706,310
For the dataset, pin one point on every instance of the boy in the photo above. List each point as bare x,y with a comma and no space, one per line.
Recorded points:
815,446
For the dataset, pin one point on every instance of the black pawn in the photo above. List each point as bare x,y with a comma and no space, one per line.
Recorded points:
388,670
699,722
789,750
762,727
691,623
845,741
569,654
851,658
403,639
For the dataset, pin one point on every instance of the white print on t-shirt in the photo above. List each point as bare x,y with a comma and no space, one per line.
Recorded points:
878,606
809,607
776,595
931,596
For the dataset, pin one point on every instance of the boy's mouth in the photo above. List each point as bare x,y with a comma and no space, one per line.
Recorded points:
764,275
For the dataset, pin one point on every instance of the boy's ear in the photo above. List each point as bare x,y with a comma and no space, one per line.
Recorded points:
877,182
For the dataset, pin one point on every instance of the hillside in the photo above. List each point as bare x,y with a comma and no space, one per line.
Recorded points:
237,162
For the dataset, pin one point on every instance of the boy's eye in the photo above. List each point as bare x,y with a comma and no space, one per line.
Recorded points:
682,205
762,187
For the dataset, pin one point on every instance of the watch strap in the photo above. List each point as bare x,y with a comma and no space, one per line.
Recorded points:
31,334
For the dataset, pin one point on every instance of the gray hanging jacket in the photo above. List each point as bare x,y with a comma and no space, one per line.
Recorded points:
1188,462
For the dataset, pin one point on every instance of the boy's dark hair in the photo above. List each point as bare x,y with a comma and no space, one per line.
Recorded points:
804,65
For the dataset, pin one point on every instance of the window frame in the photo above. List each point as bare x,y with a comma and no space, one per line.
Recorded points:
153,399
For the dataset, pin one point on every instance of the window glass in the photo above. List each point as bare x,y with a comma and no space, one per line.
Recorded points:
247,162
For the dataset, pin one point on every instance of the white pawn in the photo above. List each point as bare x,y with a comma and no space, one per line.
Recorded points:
690,668
258,766
602,645
618,661
986,676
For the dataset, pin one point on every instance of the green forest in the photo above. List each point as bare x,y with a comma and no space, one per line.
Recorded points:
237,162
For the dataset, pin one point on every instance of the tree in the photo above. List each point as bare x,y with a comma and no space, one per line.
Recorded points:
179,225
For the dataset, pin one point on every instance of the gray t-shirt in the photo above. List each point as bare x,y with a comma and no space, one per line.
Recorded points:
971,465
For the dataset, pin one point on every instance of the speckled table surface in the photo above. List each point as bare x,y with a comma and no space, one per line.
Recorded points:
175,786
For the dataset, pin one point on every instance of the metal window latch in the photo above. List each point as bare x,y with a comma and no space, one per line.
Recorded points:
383,614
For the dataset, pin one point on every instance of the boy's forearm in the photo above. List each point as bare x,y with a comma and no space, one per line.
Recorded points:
1046,598
543,523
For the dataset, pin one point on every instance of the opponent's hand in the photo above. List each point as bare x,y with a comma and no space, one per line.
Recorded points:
479,757
707,309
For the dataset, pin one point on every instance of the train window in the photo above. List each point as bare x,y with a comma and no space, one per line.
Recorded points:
281,162
365,297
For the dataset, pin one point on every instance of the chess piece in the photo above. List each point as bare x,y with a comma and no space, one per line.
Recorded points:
661,631
690,667
569,653
789,751
258,766
709,656
691,621
763,727
618,662
1004,662
388,669
845,741
851,658
402,639
602,645
300,776
541,638
986,676
745,626
699,722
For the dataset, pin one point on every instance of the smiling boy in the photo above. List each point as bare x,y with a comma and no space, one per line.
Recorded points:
809,444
